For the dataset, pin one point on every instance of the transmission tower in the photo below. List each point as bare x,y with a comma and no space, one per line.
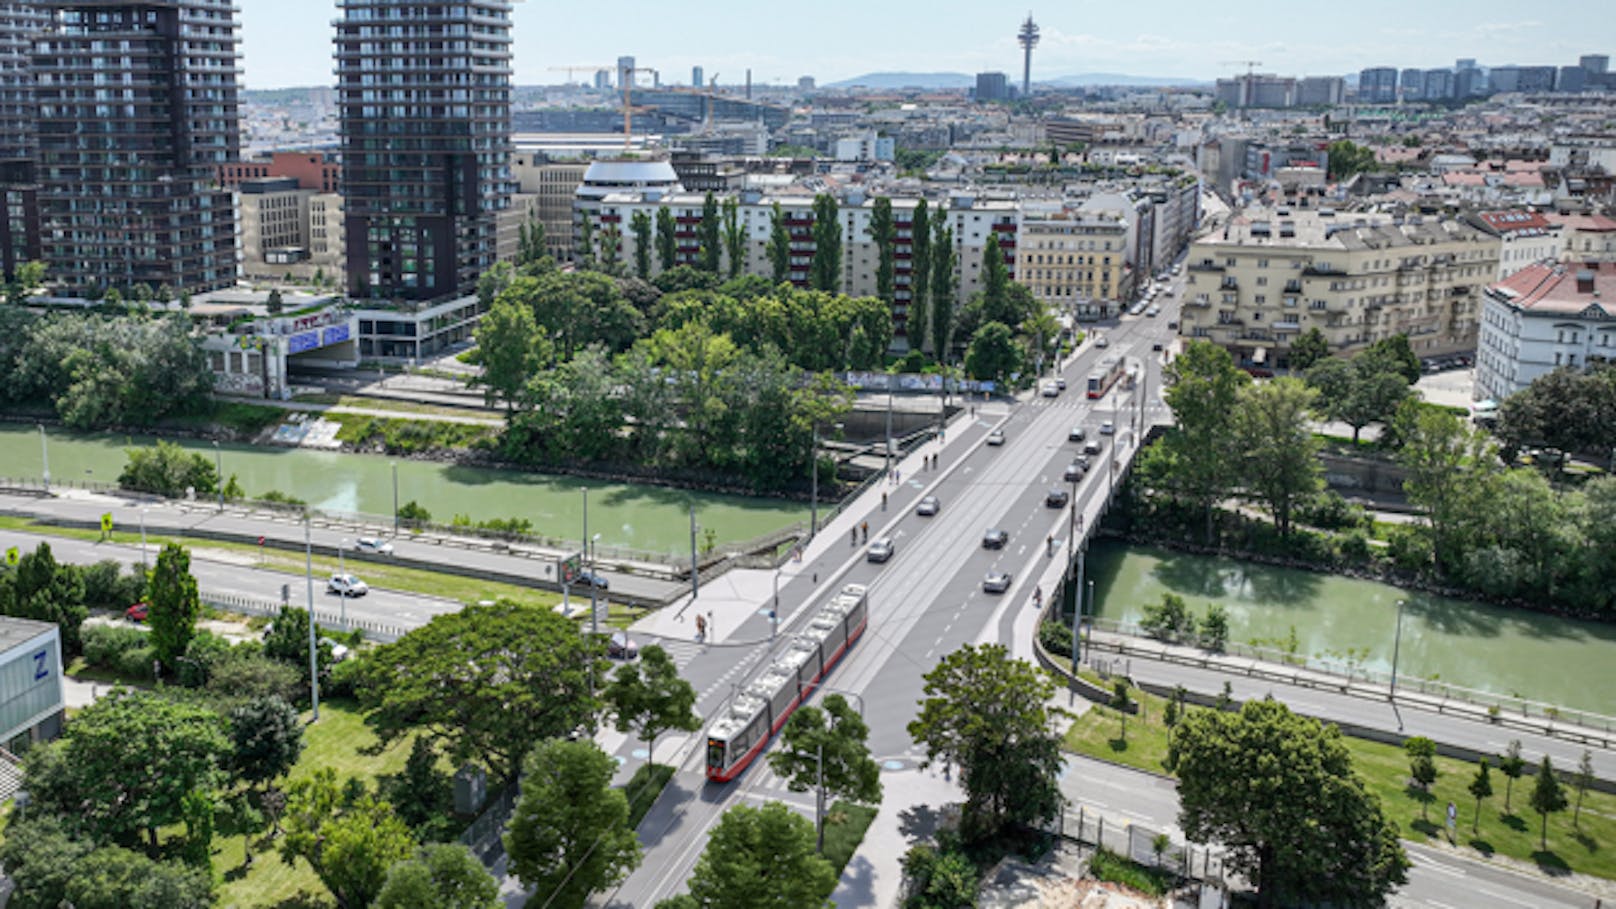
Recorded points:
1028,39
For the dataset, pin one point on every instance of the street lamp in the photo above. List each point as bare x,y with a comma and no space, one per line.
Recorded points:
889,423
394,465
218,469
1397,646
44,455
594,612
143,539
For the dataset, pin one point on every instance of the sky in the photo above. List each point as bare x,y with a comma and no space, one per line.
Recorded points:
287,42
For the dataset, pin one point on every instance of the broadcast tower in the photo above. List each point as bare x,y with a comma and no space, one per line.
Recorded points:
1028,38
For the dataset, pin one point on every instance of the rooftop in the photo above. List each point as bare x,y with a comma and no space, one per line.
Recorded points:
1323,228
16,632
1566,289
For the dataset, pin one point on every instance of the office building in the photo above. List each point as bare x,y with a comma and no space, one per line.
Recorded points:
1272,274
126,171
1543,317
1320,91
697,77
806,83
1411,84
289,230
424,94
625,71
1257,90
31,678
992,87
1595,63
1438,85
1571,79
1522,78
1377,85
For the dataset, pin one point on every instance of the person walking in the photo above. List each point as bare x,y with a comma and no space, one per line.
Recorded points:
865,527
883,501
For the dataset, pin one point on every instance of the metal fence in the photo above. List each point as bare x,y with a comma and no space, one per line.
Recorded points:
1083,825
484,836
375,631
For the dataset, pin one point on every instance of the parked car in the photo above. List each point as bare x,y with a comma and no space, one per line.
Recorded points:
347,585
593,579
138,612
621,647
1074,471
1153,312
996,582
880,550
1108,428
996,437
928,506
373,544
1076,435
1156,347
1172,326
1057,498
995,539
1050,389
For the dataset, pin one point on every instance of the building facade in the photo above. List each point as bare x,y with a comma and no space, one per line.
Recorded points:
1377,85
992,87
1541,318
1075,261
289,231
1271,274
127,189
20,22
32,705
424,95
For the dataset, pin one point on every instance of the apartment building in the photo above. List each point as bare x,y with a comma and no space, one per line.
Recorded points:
287,230
1076,260
553,184
1271,274
1587,238
1524,237
19,191
1542,317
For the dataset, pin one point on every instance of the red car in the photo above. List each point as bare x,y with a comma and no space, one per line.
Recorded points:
137,612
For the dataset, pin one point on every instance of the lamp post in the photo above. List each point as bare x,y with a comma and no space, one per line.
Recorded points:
308,573
1397,646
142,539
44,455
594,611
218,469
813,480
394,465
889,423
1077,612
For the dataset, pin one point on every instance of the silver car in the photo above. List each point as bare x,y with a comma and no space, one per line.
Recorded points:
880,550
996,582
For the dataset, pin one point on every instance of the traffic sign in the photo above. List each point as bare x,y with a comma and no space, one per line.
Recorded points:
106,522
13,556
569,567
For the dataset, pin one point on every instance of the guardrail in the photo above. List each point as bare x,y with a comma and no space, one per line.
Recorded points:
375,631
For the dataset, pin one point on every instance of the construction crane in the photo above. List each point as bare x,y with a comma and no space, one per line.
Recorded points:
569,70
1250,65
626,75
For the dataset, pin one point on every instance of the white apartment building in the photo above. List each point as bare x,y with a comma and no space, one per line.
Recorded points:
1524,237
1542,317
1587,238
1271,274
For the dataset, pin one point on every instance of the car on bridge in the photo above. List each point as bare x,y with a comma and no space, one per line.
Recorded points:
995,539
996,437
347,585
1057,498
373,544
1075,471
880,550
1108,428
593,579
1092,447
996,582
928,506
1076,435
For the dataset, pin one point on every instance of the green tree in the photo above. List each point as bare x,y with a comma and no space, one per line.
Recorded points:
439,876
488,681
649,698
1347,159
509,349
825,270
348,837
492,283
1511,765
1548,797
275,305
1421,753
709,234
993,354
175,604
760,858
1399,352
939,879
666,239
1583,779
917,327
882,234
943,263
1279,455
1481,786
266,735
611,251
49,869
414,512
734,238
640,225
990,716
1121,702
166,469
288,641
779,245
1279,793
1215,627
1309,348
827,751
422,795
586,242
26,280
995,283
1203,389
1364,390
1448,464
570,834
45,590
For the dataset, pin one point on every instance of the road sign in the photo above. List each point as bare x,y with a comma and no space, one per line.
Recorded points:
13,556
260,541
569,567
106,522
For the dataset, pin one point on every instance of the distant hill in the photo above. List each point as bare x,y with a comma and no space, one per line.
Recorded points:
908,80
1087,79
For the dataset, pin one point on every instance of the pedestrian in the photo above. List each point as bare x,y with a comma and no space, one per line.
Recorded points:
710,626
883,501
852,537
701,627
897,476
866,528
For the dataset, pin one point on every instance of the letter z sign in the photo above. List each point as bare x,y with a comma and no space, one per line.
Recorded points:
41,665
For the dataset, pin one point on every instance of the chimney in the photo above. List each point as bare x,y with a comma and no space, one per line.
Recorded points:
1585,282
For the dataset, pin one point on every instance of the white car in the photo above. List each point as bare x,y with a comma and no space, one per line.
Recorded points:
1102,341
1108,428
373,544
347,585
1051,389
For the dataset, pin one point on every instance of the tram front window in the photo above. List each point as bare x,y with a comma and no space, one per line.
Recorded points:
715,753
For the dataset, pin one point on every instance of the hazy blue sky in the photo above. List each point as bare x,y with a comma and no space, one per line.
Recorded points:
287,42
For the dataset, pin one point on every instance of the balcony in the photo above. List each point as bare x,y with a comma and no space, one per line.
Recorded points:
1229,283
1208,265
1293,287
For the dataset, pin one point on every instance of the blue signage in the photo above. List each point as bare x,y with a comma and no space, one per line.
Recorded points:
336,334
308,340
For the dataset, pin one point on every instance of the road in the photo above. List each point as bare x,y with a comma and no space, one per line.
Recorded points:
1438,880
928,600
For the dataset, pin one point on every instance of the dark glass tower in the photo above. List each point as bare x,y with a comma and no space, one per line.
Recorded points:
19,195
425,95
137,103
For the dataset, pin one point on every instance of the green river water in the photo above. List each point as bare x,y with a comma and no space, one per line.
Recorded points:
641,517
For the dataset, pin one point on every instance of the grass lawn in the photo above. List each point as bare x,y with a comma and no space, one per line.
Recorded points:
642,790
845,824
1384,769
395,406
341,741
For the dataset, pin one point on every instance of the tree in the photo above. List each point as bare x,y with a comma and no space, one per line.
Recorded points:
1481,786
943,262
1215,627
648,698
1309,347
827,751
640,225
1121,702
882,234
1448,464
761,858
939,879
267,738
166,469
1279,793
28,277
348,837
667,242
1364,390
570,834
919,276
275,305
989,715
993,353
1511,765
995,283
45,590
1400,353
439,876
1279,455
1203,389
1421,753
1347,159
708,233
1548,797
488,681
126,764
421,794
779,245
734,238
509,349
586,242
611,251
49,868
825,270
1583,779
175,604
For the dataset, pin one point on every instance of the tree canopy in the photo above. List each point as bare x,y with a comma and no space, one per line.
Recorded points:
570,834
759,858
648,698
346,835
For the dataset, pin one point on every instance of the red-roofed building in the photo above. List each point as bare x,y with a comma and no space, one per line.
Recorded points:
1587,238
1545,316
1524,237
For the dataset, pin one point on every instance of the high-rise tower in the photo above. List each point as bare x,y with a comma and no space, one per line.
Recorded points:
1028,39
424,91
19,194
137,104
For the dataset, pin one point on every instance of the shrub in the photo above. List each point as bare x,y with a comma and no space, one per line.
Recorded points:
413,512
105,645
107,587
1168,619
205,651
276,497
166,469
1353,545
1215,627
1409,547
1328,510
246,673
1056,638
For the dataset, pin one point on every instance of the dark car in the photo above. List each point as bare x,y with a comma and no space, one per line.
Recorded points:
138,612
620,647
1076,435
996,582
928,506
1057,498
592,579
1075,471
995,539
1156,346
880,550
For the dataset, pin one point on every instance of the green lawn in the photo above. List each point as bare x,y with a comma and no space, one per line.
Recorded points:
845,824
1385,771
642,790
341,741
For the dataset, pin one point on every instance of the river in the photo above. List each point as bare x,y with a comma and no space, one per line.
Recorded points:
641,517
1474,645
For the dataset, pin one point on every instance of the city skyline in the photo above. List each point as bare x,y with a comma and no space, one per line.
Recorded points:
844,40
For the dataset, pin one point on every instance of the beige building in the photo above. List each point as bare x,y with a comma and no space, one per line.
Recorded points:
1075,261
286,230
508,226
1270,275
553,184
